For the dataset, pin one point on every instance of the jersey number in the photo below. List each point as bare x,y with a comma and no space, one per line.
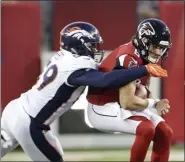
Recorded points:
48,77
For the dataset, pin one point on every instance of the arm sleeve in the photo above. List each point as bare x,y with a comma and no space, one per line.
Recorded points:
113,79
126,61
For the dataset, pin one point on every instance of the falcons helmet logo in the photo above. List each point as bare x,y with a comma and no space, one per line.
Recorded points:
146,29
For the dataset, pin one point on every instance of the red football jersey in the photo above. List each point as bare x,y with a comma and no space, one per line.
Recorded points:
125,56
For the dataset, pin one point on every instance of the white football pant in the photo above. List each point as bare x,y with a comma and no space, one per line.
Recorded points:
112,118
37,141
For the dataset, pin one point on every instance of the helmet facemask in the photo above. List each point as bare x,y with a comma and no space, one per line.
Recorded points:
152,52
155,54
95,50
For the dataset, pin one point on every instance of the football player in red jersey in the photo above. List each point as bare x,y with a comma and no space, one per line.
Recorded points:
121,110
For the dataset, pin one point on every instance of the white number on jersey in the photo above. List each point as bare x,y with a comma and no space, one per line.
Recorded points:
47,77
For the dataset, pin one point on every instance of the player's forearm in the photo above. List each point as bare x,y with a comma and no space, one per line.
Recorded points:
137,103
134,103
117,79
113,79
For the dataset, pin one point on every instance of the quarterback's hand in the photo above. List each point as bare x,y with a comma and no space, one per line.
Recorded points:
156,71
162,106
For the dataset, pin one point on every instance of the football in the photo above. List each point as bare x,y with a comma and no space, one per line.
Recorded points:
141,91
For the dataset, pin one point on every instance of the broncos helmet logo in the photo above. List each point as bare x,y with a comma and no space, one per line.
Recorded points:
147,29
73,29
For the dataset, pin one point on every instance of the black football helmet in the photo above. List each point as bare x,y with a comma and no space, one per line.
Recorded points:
83,39
152,32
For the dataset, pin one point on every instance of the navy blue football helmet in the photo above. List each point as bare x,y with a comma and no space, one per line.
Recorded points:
83,39
152,32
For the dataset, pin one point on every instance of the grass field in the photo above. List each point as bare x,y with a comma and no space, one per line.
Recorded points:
177,154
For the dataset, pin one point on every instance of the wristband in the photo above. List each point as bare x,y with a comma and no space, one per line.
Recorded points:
151,103
156,100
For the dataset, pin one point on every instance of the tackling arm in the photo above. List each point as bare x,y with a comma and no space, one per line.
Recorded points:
113,79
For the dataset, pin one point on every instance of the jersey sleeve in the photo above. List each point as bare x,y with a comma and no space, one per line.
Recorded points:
126,61
73,64
99,79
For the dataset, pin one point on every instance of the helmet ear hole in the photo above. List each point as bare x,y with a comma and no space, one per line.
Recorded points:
136,42
145,40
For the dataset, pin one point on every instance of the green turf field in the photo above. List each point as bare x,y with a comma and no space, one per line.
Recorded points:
177,154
